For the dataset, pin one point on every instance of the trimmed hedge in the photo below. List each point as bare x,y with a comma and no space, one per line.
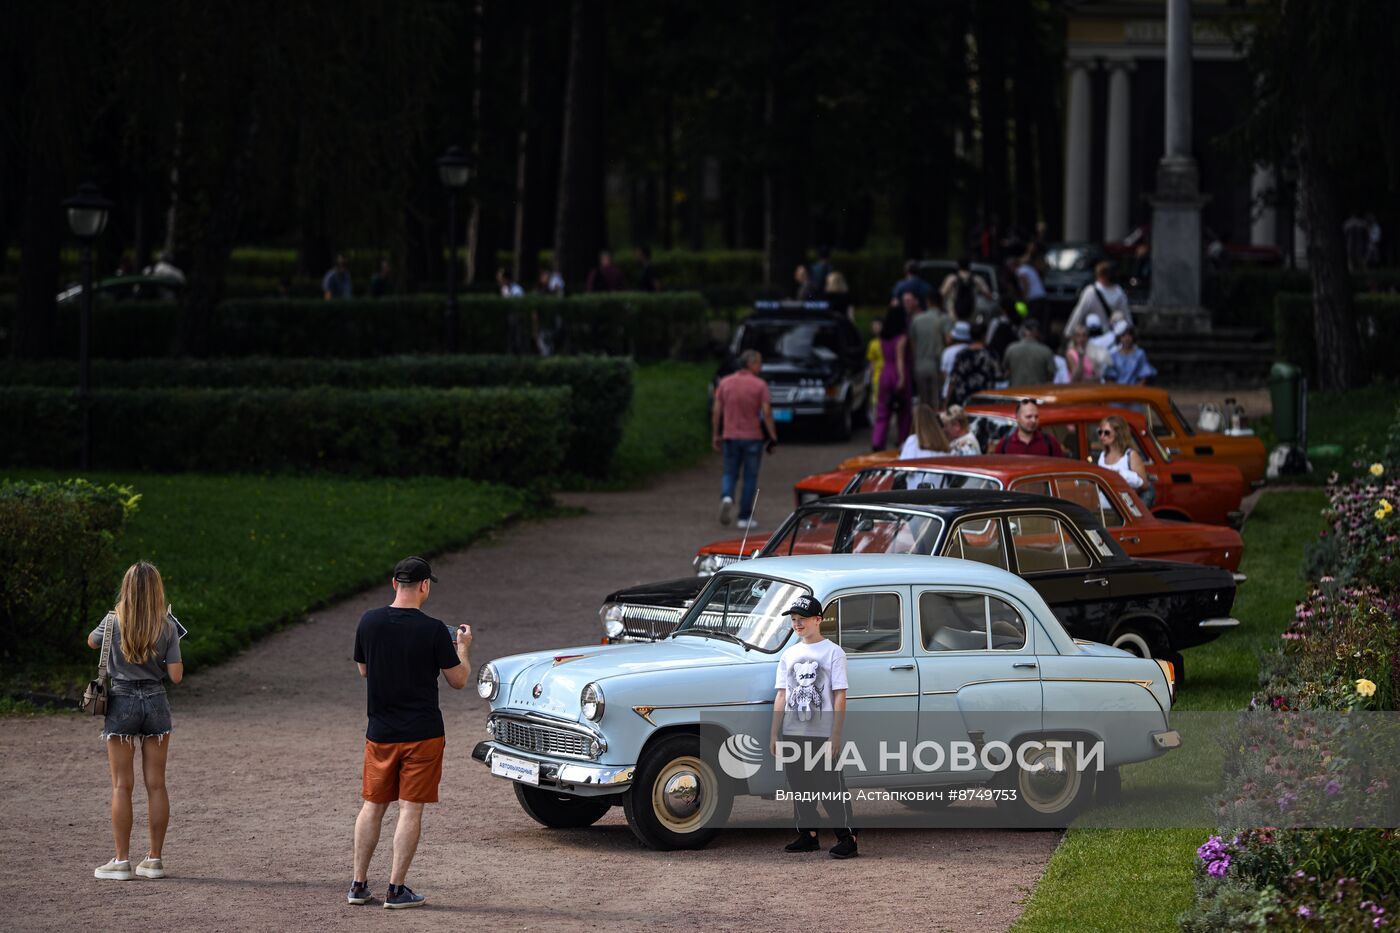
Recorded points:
599,401
1377,320
58,545
512,435
642,325
1244,297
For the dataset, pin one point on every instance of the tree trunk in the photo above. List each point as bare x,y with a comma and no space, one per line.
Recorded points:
668,174
525,261
579,231
474,216
784,215
36,311
991,97
212,232
1334,316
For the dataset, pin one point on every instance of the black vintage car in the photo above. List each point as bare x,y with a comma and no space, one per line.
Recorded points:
813,361
1151,608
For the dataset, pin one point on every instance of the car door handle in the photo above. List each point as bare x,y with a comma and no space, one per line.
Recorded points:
1131,539
1024,664
901,667
1101,581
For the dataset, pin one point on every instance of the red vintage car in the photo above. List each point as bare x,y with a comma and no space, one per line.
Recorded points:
1104,492
1186,490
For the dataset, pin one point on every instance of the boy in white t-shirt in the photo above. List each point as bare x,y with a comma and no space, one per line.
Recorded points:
810,711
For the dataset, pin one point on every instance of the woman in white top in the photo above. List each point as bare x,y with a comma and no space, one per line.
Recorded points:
1118,456
961,441
928,439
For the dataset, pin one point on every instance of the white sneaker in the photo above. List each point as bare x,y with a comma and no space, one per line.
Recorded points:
726,510
746,523
150,868
114,871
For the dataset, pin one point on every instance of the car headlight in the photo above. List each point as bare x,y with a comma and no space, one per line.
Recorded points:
811,394
707,564
488,682
611,615
591,699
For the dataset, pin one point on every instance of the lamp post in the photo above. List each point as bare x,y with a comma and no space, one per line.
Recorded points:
454,170
87,218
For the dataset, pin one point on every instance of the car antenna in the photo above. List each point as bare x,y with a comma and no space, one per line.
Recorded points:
743,544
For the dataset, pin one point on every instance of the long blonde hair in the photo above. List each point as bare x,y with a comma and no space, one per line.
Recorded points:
1122,434
928,429
141,611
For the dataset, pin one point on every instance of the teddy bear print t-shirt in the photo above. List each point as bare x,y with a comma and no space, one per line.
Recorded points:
809,673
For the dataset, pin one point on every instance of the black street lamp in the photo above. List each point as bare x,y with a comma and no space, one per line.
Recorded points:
87,218
453,170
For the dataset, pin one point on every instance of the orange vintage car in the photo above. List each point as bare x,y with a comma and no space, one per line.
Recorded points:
1164,419
1184,491
1103,492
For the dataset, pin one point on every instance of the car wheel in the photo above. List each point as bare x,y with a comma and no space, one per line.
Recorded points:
677,797
1139,639
839,425
1051,794
560,811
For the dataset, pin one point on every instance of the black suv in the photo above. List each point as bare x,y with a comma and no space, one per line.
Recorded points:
813,361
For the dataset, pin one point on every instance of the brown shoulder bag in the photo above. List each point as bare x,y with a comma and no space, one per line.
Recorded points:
95,696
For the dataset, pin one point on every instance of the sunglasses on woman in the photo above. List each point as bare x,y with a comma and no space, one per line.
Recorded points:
1105,432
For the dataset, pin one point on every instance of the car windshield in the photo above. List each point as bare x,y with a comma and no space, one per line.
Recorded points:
886,479
790,340
743,607
835,530
1068,258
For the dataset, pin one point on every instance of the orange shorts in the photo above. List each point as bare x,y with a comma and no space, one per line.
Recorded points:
403,770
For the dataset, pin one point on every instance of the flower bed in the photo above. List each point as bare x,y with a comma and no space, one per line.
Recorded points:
1339,662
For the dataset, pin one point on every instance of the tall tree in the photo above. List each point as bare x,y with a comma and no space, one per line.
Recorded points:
1319,71
579,230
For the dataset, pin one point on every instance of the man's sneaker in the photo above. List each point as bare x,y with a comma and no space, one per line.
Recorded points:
845,848
402,896
359,893
150,868
114,871
806,842
746,523
726,510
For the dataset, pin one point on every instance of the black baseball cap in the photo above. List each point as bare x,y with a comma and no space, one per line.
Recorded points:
804,606
414,570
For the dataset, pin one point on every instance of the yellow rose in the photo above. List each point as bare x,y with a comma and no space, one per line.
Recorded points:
1380,514
1377,469
1386,507
1365,687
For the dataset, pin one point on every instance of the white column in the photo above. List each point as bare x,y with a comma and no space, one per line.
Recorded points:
1116,153
1263,227
1077,163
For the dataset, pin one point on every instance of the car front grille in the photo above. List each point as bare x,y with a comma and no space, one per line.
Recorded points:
649,622
544,740
782,395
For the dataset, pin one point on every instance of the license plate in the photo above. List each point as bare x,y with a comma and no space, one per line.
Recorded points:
782,414
517,769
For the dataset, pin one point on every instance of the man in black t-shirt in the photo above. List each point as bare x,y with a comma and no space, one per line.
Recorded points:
400,651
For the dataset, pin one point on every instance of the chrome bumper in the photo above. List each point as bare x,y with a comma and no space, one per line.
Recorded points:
565,775
1220,623
1239,578
1168,739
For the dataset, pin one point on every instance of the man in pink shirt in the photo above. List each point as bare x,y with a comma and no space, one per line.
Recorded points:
741,410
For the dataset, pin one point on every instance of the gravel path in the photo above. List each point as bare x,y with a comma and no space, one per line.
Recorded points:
265,764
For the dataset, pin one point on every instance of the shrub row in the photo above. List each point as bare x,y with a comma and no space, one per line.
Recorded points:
646,326
1246,297
58,545
512,435
600,397
1378,325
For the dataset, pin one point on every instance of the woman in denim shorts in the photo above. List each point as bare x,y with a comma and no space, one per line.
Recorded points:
145,636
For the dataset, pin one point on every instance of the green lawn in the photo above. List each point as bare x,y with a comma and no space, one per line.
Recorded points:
668,426
1140,879
244,555
1354,420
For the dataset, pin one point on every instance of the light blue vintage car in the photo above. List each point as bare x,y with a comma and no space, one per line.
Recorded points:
938,650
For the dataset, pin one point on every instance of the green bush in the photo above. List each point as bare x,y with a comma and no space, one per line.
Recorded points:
512,435
601,386
1245,296
645,326
1378,325
58,545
